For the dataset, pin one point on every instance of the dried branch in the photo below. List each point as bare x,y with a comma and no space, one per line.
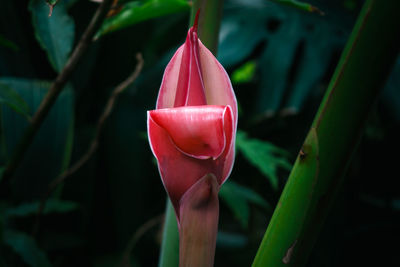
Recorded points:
94,144
126,257
55,89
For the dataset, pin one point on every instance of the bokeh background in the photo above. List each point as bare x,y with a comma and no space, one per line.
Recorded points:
280,60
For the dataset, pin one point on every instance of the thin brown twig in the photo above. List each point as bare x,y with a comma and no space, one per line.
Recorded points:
94,144
55,89
126,257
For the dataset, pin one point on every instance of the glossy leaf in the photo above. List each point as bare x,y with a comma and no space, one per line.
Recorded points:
12,99
138,11
26,247
55,34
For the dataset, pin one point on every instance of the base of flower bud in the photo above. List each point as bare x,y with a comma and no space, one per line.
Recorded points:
199,211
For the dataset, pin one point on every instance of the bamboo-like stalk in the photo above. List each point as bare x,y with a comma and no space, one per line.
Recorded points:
169,254
209,22
208,31
317,174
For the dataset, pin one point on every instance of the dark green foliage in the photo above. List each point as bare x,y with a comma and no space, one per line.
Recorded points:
26,247
280,59
137,11
238,198
263,155
55,34
293,50
13,100
50,152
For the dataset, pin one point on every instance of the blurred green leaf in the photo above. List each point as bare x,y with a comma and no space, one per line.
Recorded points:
137,11
292,50
26,248
46,155
13,100
52,2
231,240
55,34
1,172
238,198
244,73
108,260
299,5
52,206
391,92
263,155
7,43
240,33
350,4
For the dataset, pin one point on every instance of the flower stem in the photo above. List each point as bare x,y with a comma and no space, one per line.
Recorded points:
208,31
169,254
199,223
209,22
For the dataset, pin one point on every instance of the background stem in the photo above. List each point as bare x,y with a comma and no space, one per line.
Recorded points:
209,22
169,255
208,31
317,174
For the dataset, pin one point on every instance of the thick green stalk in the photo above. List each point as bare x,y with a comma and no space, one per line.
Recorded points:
317,174
208,31
169,255
209,21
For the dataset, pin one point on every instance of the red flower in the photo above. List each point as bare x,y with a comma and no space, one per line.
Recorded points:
192,132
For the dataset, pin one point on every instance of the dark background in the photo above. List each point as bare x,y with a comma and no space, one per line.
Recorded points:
280,60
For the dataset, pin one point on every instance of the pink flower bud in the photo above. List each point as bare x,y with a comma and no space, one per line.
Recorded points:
192,131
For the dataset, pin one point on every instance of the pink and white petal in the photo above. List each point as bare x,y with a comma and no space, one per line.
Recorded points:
178,171
190,88
225,161
217,85
167,92
197,131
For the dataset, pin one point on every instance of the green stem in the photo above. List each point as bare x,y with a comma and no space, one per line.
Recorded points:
208,31
318,172
169,255
209,22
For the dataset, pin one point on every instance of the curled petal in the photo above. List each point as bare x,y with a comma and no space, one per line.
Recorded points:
175,139
197,131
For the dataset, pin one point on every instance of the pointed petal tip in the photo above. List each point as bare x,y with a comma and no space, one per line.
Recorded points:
196,21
